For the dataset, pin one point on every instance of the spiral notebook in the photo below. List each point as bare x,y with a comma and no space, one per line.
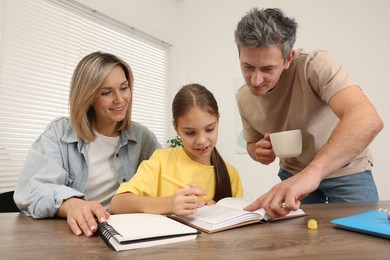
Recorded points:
374,222
140,230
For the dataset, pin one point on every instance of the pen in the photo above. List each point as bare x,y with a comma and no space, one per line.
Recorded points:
179,184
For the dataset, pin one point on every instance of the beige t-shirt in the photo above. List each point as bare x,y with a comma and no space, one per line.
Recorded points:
300,101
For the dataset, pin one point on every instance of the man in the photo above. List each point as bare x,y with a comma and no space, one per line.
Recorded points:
293,89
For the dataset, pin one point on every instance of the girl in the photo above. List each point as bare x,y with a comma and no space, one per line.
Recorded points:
195,119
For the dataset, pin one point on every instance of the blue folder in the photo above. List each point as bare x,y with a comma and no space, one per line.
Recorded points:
374,222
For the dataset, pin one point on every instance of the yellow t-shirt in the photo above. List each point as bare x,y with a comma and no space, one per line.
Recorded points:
175,162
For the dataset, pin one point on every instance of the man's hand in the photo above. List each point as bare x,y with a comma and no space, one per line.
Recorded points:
261,151
81,215
285,196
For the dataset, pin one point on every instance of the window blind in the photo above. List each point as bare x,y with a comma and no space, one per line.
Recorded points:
41,42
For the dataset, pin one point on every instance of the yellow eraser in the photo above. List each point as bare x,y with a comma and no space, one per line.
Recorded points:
312,224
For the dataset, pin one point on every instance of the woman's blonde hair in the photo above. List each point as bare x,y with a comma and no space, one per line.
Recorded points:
87,79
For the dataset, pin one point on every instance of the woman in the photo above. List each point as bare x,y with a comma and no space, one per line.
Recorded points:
76,165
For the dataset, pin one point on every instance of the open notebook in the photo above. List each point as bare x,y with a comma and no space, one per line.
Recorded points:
228,213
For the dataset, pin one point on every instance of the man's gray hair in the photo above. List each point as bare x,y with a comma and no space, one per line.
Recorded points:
266,27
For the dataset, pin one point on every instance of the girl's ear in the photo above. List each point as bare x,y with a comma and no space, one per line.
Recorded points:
174,125
218,116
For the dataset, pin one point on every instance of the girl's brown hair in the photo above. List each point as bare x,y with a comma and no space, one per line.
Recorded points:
195,95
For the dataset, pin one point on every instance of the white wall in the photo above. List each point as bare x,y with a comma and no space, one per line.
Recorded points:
201,31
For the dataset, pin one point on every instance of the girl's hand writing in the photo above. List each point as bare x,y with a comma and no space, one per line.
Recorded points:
185,201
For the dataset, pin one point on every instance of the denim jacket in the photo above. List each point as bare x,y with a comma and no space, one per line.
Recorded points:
56,166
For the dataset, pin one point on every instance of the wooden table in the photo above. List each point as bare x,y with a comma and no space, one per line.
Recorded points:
24,238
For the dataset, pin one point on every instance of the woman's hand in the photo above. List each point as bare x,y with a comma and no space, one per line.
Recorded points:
81,215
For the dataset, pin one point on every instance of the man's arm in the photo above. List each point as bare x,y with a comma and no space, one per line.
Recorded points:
358,126
251,148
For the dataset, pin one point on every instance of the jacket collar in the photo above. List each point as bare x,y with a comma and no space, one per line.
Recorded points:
70,136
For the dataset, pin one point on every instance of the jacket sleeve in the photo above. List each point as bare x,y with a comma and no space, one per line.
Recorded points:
44,183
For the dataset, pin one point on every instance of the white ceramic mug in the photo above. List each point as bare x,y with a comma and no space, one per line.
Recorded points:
287,144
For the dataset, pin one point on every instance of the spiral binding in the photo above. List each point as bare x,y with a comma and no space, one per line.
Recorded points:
106,231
